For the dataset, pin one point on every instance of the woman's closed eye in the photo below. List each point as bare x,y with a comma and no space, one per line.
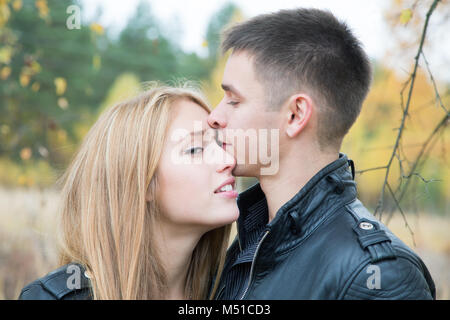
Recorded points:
193,150
233,103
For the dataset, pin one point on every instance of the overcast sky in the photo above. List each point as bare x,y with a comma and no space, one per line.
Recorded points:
365,18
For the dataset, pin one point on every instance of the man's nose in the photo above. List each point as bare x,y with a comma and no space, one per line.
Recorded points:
216,118
228,162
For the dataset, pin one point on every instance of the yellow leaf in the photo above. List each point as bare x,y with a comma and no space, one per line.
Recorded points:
5,72
61,86
42,7
25,153
405,16
96,62
35,87
4,129
63,103
22,180
4,13
35,67
97,28
17,5
24,79
61,135
5,54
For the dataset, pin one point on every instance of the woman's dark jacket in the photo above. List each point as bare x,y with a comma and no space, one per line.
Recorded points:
68,282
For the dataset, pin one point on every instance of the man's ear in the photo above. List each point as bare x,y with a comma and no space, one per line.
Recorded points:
298,114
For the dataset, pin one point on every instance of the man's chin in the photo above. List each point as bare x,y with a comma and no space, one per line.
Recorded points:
246,170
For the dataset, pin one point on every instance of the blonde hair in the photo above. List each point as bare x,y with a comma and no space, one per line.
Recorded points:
106,223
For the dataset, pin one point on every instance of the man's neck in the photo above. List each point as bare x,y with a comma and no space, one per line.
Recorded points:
293,174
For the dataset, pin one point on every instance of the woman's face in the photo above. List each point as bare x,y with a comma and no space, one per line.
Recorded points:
195,184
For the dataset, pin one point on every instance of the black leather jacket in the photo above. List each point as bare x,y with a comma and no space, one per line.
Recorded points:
322,244
68,282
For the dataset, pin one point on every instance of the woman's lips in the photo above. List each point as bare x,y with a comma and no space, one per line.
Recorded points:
228,194
227,189
230,181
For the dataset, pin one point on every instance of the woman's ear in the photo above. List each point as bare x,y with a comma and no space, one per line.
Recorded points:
148,196
298,115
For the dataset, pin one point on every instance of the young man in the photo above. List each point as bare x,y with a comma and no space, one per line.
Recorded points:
302,233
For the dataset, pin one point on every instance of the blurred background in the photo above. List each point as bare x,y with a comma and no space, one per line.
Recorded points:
64,61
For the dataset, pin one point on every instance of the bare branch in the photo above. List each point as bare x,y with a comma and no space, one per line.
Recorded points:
370,169
436,92
379,208
401,211
442,124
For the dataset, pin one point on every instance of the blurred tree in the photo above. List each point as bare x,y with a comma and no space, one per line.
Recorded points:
142,49
223,17
226,16
53,79
50,78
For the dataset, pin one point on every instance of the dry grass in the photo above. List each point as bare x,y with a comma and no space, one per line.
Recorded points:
27,238
431,240
28,248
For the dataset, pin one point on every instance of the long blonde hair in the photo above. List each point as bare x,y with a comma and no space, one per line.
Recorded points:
106,223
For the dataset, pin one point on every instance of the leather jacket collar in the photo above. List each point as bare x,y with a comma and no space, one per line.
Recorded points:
331,188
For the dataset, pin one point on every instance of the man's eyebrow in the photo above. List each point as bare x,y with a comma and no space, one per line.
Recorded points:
230,88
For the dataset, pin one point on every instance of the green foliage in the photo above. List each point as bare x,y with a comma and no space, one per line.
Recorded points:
217,25
125,86
54,81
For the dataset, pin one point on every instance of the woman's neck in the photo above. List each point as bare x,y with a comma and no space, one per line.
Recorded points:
175,249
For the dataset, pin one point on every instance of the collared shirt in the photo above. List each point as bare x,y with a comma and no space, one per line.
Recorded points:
251,231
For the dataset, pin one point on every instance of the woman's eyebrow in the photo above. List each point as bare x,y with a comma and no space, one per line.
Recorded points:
190,134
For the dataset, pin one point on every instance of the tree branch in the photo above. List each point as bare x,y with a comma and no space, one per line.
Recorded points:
411,83
436,92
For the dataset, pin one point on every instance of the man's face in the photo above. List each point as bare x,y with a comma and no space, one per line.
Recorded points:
245,116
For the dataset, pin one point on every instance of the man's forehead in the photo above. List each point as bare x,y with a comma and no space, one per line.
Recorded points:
238,61
239,75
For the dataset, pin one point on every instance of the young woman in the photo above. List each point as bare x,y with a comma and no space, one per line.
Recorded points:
147,203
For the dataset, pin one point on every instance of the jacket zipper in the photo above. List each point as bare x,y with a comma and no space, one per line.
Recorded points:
253,264
239,239
218,296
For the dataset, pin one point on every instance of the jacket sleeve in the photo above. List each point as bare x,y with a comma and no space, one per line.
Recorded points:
393,279
35,291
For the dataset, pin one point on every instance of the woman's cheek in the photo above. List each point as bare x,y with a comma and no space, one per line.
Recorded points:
190,190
